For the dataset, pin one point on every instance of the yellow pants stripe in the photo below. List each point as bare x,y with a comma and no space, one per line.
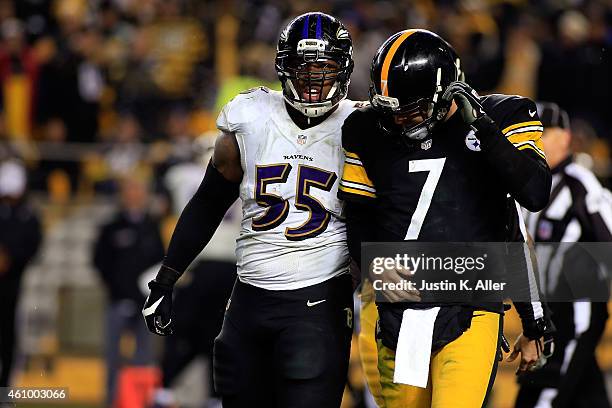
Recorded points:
368,350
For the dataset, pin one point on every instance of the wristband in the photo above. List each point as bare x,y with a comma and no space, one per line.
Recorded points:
535,329
167,276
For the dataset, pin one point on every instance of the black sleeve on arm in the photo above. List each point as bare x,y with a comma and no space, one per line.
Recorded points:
358,228
527,179
535,327
198,223
356,188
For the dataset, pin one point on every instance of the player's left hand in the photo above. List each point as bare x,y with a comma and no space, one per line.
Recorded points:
530,352
157,310
467,100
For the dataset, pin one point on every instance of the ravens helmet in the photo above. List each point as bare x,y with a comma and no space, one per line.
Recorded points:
314,61
409,74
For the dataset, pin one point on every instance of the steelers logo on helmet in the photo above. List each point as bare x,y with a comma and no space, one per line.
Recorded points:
314,61
409,74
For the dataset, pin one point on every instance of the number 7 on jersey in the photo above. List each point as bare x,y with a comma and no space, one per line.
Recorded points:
434,168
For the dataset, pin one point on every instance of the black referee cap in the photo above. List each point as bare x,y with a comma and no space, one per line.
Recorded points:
552,115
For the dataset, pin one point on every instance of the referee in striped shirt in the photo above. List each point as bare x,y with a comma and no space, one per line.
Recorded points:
579,210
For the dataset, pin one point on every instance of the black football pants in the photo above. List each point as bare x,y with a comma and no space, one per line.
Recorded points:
285,349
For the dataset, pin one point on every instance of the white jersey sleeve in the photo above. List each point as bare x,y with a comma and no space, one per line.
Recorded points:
241,110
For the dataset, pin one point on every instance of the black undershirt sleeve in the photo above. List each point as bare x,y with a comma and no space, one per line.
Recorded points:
198,222
358,228
528,180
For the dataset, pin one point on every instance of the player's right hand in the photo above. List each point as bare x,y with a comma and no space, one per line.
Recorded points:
394,276
530,351
157,310
468,101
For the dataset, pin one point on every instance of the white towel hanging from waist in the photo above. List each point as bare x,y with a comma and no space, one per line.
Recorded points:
413,353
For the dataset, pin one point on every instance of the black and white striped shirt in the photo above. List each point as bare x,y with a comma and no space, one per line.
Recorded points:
579,211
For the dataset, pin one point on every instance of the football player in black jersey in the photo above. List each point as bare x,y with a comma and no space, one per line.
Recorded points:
432,161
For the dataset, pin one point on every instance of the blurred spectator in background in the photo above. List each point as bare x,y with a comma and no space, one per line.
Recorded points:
162,69
127,246
122,155
576,64
71,86
20,237
179,136
18,75
35,15
580,210
177,146
256,69
181,178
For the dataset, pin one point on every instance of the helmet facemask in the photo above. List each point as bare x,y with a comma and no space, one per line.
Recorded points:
431,110
314,81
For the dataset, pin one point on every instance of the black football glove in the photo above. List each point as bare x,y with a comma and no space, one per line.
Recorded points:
467,100
157,310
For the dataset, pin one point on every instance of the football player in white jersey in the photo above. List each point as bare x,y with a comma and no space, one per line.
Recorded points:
285,340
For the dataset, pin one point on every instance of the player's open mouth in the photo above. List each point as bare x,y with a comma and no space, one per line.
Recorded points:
311,96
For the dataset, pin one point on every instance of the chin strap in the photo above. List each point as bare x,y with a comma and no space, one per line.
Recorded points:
307,109
316,109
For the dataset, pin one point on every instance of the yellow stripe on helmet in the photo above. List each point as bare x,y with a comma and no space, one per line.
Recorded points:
384,73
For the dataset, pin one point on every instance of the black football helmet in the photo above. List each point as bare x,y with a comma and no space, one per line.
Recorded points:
314,50
409,74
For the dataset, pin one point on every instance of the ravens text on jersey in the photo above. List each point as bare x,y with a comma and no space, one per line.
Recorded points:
289,319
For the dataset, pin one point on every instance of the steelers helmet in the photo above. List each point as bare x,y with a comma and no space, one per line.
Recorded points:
409,74
314,39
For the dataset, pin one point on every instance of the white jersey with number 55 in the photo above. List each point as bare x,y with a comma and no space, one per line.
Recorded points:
292,234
